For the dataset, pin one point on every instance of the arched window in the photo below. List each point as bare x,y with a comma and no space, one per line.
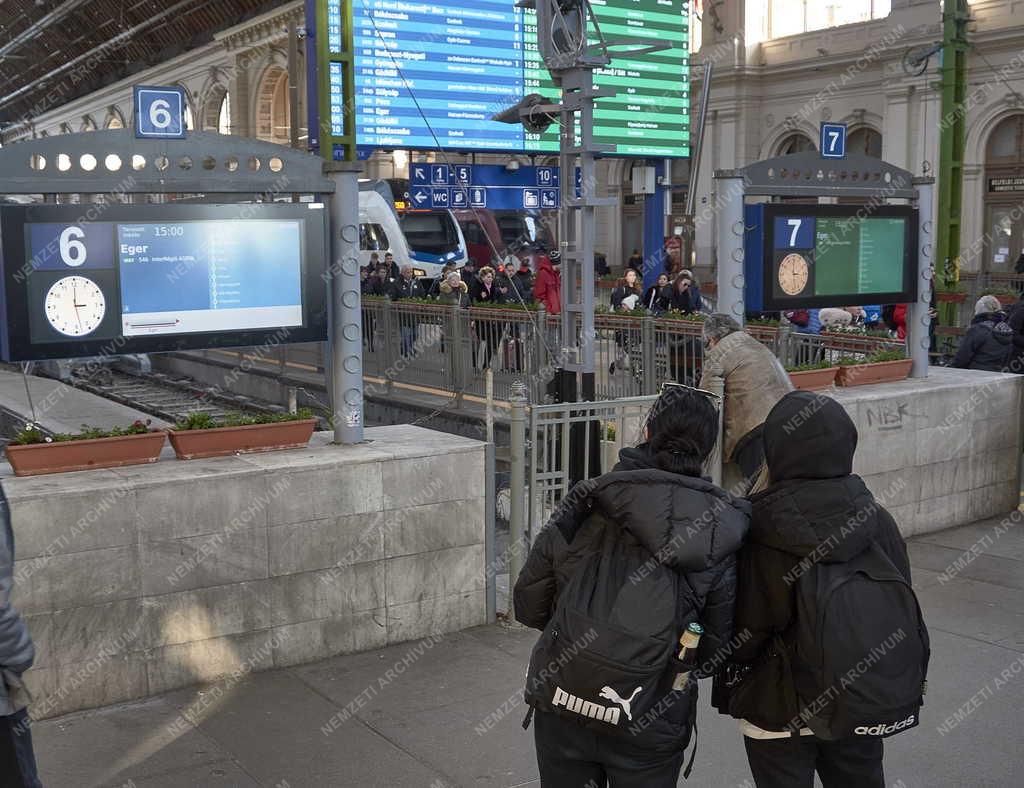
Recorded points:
88,124
114,121
865,140
1004,192
273,121
224,115
1006,142
65,128
796,143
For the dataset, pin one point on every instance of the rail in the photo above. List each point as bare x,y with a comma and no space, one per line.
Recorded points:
448,349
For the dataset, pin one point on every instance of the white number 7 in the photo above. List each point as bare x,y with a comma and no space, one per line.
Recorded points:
795,224
834,135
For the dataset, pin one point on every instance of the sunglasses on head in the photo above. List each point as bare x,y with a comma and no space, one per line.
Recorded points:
669,385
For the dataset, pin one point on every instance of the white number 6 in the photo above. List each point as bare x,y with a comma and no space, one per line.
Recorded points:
159,114
72,250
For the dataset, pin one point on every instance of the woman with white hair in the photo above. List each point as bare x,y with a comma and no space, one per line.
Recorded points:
989,340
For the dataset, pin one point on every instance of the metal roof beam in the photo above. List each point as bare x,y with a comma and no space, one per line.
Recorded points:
115,41
33,30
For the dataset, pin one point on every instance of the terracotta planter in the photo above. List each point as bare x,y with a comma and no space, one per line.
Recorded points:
950,298
884,372
814,379
39,458
1005,299
247,439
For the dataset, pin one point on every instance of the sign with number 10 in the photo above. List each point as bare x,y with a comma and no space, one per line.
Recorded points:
160,112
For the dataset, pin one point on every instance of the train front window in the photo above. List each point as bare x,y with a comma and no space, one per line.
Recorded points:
372,238
518,231
431,233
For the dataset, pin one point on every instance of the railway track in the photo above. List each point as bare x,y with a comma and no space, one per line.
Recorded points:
167,397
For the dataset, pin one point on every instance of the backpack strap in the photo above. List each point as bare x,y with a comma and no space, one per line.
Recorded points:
528,718
780,647
693,753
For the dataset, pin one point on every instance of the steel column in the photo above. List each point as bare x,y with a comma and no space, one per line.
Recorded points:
918,319
729,198
517,543
346,335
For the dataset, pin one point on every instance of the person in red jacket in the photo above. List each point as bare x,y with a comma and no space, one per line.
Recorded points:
547,287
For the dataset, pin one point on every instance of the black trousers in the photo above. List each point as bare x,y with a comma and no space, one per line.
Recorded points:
571,756
791,762
17,759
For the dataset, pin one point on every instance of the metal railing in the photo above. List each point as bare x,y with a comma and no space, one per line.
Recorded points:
447,350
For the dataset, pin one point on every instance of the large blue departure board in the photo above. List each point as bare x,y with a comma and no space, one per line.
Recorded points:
458,62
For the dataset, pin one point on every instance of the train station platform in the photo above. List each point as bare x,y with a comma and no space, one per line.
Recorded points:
58,407
445,711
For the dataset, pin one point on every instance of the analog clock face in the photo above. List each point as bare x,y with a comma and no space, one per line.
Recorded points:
793,274
75,306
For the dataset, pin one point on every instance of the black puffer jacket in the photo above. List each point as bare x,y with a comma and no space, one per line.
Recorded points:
987,344
688,524
815,508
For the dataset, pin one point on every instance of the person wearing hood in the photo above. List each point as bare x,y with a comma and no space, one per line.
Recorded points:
657,502
453,291
802,518
988,343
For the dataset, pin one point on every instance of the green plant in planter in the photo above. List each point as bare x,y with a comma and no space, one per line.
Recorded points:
692,317
204,421
1000,291
609,432
875,358
32,434
764,322
810,367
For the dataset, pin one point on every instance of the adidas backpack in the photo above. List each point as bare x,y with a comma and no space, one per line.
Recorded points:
861,649
608,657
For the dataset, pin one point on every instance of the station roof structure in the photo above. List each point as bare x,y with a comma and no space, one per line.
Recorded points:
53,51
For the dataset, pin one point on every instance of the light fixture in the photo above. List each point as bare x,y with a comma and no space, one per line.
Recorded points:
401,159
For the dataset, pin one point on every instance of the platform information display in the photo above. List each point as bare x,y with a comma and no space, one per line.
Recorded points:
830,256
226,276
465,60
152,278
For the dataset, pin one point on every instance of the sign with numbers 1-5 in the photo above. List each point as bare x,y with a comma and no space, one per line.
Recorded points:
160,112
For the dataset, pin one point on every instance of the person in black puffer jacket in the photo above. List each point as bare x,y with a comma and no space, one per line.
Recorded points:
988,343
655,498
805,514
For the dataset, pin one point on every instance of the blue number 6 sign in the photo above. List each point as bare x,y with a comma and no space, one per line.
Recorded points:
160,112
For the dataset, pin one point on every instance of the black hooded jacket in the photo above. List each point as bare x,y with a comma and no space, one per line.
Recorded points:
815,509
987,345
688,524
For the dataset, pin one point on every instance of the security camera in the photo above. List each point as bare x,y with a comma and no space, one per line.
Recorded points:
528,113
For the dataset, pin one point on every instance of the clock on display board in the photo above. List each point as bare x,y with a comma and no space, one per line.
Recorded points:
75,306
794,273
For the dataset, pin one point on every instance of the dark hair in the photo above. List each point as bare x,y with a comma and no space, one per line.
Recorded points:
682,428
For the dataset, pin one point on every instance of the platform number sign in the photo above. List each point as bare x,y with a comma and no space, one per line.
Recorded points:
160,112
833,141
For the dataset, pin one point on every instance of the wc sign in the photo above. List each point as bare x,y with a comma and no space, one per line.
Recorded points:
159,113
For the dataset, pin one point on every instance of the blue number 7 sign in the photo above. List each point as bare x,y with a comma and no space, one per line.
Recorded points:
833,141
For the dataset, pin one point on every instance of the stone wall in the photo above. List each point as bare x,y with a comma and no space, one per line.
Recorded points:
940,451
138,580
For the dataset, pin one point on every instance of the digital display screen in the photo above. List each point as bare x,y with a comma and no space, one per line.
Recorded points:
209,276
154,278
465,60
800,256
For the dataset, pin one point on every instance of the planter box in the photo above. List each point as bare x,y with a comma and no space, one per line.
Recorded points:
950,298
248,439
814,379
39,458
863,374
1005,299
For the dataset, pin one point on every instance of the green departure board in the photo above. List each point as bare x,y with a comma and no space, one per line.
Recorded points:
858,257
650,114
